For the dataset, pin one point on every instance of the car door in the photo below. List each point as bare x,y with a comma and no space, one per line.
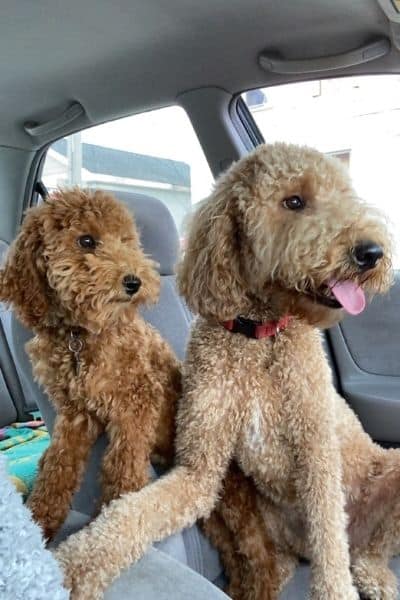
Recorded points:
366,351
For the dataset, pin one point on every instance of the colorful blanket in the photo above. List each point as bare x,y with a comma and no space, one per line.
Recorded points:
23,444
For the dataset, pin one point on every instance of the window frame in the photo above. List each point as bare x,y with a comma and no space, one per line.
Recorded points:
32,197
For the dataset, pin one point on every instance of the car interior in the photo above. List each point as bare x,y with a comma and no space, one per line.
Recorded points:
152,101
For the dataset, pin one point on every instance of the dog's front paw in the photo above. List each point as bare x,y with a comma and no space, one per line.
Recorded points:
375,581
44,518
84,565
76,578
81,582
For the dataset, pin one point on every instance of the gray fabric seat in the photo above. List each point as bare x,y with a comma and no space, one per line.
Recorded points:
158,577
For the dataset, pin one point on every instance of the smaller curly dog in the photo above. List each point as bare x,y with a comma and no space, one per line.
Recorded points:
280,248
76,275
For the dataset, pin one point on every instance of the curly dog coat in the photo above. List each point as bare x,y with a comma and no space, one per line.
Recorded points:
76,275
283,235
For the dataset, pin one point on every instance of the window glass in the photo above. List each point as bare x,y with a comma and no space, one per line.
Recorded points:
355,118
155,153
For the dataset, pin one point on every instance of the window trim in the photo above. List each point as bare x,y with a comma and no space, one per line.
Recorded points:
244,123
31,197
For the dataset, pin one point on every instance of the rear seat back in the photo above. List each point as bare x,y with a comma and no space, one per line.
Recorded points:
160,238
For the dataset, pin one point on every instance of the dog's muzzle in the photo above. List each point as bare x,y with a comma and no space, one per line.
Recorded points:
131,284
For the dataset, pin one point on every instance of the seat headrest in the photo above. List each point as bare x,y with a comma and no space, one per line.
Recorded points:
157,229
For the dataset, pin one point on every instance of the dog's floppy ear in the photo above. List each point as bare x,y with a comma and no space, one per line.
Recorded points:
22,277
209,276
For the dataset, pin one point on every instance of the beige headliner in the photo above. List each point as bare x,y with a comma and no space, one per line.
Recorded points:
121,56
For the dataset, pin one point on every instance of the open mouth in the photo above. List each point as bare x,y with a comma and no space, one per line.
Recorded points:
326,298
345,294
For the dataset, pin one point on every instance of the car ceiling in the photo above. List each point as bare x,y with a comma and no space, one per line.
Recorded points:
122,56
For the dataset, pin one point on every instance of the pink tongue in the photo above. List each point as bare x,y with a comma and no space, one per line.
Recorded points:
349,294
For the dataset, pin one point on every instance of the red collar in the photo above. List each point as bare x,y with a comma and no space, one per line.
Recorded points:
255,329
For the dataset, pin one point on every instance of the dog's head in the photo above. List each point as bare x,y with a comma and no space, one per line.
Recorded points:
284,232
77,260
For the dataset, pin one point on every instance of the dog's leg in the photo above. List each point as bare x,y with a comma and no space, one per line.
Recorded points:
233,562
127,458
279,531
308,400
61,469
319,488
239,511
125,528
120,535
372,575
373,578
169,389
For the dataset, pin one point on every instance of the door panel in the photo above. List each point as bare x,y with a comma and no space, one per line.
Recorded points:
366,351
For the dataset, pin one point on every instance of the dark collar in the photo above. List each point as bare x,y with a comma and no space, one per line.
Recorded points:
256,329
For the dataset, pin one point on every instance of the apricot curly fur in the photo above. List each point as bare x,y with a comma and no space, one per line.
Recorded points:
128,380
325,490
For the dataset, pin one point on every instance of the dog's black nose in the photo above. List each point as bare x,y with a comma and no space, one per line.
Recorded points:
367,254
131,284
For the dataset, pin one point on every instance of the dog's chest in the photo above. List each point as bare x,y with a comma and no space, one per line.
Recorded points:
263,450
98,380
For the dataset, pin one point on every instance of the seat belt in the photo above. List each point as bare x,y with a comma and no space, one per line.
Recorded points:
41,189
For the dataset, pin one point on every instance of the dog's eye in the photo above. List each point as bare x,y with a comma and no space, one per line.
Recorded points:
294,203
87,242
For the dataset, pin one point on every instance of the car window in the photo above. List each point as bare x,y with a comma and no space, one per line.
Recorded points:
355,118
156,153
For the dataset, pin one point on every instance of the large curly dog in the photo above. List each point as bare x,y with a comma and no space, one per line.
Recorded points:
282,247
